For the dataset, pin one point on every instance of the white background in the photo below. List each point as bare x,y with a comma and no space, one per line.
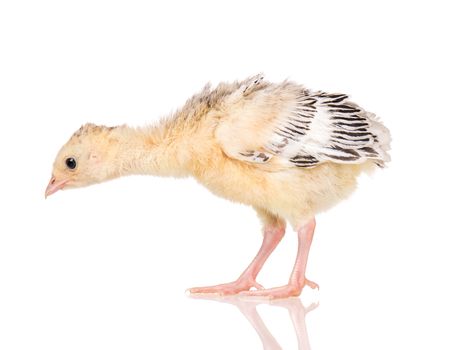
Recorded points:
106,267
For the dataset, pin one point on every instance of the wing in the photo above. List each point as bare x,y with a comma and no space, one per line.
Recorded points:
288,125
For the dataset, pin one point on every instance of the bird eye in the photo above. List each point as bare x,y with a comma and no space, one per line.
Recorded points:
71,163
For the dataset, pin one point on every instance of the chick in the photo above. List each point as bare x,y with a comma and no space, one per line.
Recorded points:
288,152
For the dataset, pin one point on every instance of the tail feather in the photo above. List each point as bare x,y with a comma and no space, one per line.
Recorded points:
383,142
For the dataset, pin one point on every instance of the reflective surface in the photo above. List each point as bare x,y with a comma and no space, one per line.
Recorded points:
296,311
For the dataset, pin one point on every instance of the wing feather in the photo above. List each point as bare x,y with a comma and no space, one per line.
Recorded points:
293,126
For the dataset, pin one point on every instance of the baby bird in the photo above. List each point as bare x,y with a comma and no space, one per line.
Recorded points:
287,151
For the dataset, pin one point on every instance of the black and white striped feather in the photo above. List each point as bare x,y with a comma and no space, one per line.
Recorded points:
320,127
328,127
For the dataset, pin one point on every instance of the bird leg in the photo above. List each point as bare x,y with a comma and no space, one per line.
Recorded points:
297,279
247,280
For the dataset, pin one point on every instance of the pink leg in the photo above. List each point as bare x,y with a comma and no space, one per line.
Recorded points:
247,280
297,279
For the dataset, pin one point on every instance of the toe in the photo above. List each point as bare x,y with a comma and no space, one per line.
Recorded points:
221,289
209,290
311,284
258,286
274,293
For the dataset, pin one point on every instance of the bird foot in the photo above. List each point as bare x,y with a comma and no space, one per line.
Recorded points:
242,284
287,291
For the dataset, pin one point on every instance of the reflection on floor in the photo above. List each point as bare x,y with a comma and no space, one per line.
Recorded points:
297,312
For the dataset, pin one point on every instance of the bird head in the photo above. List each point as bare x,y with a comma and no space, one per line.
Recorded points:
86,159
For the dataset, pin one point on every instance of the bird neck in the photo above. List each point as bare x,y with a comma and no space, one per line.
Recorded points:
150,151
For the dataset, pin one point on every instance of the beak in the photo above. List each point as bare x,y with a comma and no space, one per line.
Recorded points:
54,186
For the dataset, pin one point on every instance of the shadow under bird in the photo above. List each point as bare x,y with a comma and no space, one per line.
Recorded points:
287,151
